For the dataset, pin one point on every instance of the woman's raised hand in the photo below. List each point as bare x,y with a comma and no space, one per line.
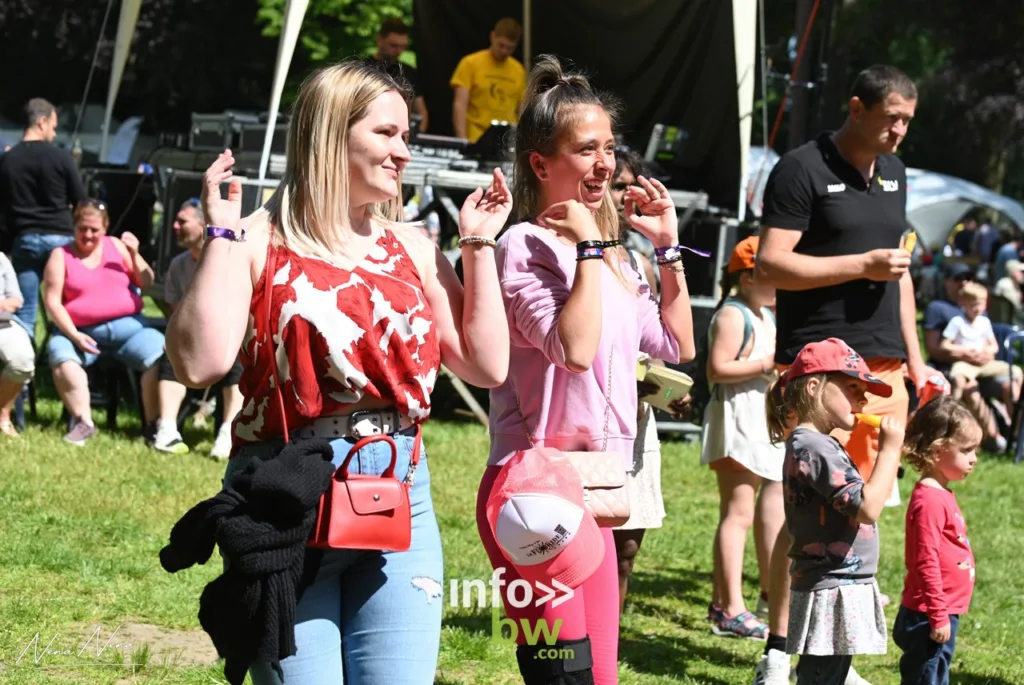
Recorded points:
225,212
657,220
572,220
484,213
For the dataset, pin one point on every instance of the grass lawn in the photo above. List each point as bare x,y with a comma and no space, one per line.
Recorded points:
82,528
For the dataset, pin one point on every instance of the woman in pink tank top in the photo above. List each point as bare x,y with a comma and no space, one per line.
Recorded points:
91,295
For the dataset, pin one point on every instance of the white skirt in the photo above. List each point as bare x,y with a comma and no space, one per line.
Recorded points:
643,481
736,426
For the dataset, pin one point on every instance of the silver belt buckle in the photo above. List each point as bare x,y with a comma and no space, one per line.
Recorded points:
363,424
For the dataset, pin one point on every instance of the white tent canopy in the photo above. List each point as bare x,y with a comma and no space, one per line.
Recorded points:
294,11
744,27
122,45
936,202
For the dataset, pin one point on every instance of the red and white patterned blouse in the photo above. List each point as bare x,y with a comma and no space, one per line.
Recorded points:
338,335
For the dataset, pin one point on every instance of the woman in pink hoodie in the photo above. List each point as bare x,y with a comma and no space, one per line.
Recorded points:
578,317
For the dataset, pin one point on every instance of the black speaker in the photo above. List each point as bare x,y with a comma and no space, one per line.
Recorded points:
129,197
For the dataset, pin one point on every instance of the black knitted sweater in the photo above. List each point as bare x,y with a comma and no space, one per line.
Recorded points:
261,521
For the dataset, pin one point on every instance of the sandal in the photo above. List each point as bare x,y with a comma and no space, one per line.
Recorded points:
745,625
715,613
7,428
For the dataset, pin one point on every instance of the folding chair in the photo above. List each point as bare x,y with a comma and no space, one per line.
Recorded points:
1012,352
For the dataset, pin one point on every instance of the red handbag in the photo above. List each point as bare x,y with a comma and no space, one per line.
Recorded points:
357,511
366,512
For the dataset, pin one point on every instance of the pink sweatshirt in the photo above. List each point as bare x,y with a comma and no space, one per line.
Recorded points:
563,409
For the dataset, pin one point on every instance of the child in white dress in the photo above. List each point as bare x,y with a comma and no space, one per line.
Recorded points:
736,445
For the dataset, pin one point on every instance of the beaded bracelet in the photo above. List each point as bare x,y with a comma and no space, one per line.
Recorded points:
477,240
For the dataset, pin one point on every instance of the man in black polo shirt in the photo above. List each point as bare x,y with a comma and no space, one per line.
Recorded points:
833,221
392,41
39,186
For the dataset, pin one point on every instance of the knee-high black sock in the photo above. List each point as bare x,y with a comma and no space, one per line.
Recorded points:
775,642
566,662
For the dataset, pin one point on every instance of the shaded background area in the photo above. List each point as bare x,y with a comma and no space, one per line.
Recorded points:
670,62
210,55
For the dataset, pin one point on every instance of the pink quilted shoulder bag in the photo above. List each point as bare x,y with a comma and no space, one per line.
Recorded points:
603,474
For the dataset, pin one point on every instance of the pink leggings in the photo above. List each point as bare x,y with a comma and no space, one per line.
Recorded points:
593,610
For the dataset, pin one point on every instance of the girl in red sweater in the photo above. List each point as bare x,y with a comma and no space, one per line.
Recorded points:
940,443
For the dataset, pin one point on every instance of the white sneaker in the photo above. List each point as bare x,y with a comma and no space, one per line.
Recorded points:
168,439
773,669
853,678
222,445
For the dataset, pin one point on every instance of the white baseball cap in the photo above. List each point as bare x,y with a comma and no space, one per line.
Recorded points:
536,513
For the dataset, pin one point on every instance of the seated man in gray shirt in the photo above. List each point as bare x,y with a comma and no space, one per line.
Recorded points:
189,229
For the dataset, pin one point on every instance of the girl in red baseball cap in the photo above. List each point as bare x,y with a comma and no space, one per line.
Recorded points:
835,607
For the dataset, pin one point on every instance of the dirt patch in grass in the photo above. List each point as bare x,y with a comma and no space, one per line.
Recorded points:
167,646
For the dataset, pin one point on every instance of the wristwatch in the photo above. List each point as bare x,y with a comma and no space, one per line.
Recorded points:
219,232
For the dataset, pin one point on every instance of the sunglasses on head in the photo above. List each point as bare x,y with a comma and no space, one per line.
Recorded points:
97,204
193,202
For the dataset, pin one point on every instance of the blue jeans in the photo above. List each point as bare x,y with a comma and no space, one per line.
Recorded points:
28,257
924,661
369,617
128,339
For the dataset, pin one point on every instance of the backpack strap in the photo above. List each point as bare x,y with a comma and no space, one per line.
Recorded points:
748,321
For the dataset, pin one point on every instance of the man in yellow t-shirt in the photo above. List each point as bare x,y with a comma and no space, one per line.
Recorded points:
489,84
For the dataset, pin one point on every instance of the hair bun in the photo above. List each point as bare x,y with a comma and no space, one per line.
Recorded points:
549,73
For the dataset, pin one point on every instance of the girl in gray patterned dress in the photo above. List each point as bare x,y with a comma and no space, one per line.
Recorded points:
835,608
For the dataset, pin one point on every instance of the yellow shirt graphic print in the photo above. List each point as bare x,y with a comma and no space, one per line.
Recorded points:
495,89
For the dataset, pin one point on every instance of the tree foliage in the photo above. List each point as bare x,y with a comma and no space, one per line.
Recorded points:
331,30
334,29
968,61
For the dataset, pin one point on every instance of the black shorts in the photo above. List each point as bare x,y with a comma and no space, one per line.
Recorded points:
166,373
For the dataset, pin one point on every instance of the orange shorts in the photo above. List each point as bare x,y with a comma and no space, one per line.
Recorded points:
862,442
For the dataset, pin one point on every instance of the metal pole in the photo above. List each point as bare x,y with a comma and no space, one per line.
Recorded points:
527,33
764,77
92,68
823,59
799,88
